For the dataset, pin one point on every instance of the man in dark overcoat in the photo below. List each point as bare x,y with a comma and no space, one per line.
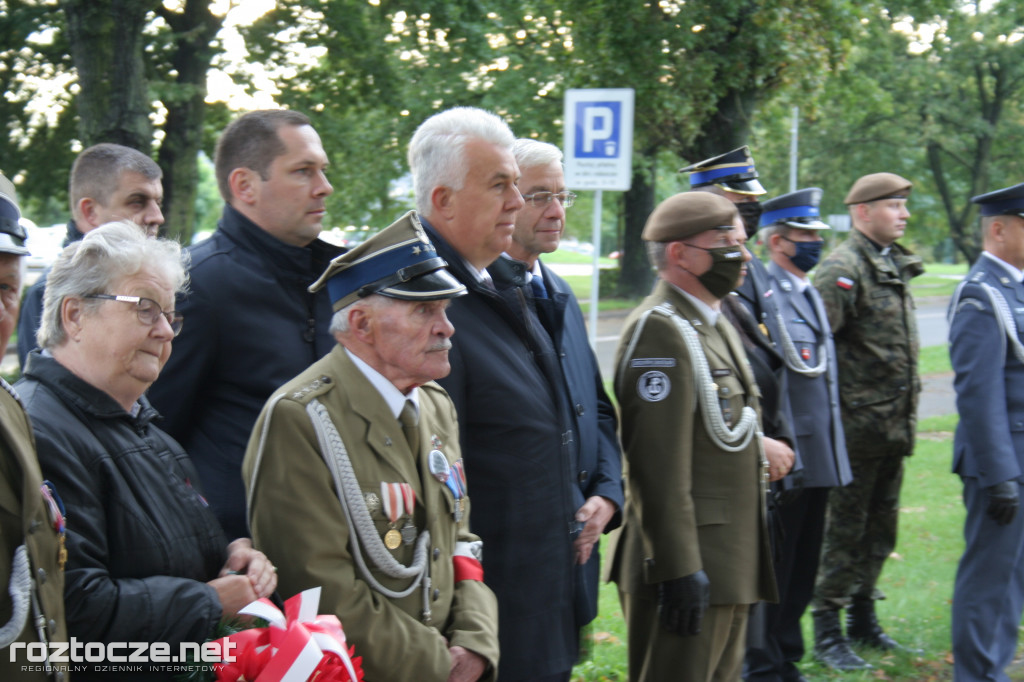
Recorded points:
516,419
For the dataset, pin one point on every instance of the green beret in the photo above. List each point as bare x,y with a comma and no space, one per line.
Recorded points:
687,214
878,186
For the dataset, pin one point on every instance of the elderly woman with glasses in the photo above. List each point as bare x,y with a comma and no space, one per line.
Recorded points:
146,559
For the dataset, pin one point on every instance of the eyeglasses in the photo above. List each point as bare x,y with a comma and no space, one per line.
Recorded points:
148,310
542,199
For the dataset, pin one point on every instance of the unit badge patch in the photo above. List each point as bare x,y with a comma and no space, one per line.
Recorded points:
653,386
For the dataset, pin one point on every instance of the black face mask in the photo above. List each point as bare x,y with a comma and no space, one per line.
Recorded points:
750,213
807,254
724,274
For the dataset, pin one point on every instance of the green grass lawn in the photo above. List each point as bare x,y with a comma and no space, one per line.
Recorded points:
934,360
917,579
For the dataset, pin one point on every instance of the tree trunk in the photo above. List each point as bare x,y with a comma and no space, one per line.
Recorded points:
194,29
728,128
106,38
635,275
966,241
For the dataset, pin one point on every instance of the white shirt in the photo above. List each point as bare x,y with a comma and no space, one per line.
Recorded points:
709,314
392,396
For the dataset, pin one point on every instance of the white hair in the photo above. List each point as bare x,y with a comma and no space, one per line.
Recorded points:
531,153
339,321
106,255
657,254
436,152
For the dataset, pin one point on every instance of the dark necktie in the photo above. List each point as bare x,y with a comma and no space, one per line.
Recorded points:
539,290
409,428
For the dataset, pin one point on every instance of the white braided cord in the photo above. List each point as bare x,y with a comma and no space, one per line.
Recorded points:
362,531
730,440
792,357
1005,318
19,588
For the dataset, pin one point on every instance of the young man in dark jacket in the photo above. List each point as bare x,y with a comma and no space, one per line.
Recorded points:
252,324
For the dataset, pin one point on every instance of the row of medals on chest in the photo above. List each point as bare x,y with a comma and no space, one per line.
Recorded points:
398,500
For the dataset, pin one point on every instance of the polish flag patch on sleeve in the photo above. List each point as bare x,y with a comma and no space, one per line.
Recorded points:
844,283
466,561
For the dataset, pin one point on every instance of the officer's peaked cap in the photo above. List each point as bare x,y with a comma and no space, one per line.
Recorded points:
398,262
12,233
733,171
796,209
1006,201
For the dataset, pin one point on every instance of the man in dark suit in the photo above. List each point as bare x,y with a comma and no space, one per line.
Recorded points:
692,554
792,233
598,493
985,334
517,420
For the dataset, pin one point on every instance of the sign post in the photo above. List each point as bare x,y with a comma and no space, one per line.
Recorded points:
598,149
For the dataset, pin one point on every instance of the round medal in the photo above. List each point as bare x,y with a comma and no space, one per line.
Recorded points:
392,539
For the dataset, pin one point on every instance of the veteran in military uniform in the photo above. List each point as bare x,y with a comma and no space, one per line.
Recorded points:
354,474
865,286
985,345
693,554
32,551
792,232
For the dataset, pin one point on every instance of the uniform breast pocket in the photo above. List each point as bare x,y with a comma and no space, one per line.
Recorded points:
885,301
731,394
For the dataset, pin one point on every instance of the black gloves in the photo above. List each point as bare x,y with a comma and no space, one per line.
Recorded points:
1003,500
683,601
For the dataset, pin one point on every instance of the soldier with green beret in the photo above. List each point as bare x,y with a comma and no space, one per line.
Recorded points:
865,286
692,554
355,480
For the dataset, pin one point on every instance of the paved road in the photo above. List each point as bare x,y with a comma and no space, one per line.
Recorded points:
937,397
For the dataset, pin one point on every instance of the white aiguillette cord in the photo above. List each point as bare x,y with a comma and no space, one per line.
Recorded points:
730,440
793,359
362,531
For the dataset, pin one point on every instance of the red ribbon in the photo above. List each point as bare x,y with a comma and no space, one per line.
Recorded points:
299,645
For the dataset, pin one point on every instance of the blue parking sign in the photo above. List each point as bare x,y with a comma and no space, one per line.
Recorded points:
599,138
597,129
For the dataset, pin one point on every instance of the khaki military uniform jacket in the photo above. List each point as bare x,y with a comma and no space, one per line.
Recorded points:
297,520
871,312
689,504
25,519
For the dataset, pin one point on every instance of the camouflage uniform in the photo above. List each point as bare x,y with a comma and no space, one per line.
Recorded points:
867,298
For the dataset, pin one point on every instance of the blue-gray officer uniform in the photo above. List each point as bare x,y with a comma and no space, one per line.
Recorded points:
986,330
805,342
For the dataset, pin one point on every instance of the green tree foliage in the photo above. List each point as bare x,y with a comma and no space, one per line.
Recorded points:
123,64
700,69
919,87
39,124
927,92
